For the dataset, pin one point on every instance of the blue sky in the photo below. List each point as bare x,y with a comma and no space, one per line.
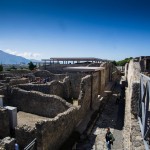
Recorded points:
110,29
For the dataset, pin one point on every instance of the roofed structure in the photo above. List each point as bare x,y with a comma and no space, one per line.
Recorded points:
65,60
84,69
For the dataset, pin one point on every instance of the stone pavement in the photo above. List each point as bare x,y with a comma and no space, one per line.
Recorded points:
113,117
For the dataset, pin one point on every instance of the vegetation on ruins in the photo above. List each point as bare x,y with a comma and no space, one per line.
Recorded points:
31,65
122,62
1,68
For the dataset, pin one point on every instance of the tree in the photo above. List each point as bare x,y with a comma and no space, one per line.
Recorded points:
1,68
114,62
31,65
123,62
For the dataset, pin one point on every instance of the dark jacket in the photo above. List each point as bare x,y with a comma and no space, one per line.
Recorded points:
108,136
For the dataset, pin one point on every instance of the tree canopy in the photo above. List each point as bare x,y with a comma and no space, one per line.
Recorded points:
122,62
31,66
1,68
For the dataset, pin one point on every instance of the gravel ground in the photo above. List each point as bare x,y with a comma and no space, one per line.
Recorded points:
29,119
113,117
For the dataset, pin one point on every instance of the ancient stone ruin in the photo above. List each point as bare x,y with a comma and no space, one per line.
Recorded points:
45,108
49,111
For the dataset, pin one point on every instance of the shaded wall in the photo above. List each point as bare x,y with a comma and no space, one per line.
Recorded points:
52,133
85,99
132,132
37,103
4,123
75,79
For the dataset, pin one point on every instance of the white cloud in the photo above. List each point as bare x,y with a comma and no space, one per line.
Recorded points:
28,55
11,51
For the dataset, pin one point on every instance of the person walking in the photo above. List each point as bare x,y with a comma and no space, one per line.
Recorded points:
109,138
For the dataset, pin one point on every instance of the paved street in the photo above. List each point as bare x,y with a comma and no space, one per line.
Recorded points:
113,117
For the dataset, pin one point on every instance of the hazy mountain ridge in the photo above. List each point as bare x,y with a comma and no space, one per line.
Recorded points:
6,58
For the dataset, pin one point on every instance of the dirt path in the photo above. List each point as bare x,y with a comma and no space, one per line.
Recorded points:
113,117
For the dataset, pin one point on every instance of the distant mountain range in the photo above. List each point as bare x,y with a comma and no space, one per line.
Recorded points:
6,58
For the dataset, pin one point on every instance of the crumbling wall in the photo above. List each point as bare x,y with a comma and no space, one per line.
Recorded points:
51,76
116,75
19,72
132,133
102,80
62,89
7,143
18,81
42,73
85,99
95,86
54,88
75,79
57,77
52,133
126,70
4,123
107,71
38,103
134,70
24,135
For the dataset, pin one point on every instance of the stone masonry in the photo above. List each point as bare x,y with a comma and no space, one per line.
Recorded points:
4,123
132,134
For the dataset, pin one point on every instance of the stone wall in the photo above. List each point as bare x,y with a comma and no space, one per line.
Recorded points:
4,123
7,143
24,135
116,75
52,133
85,99
75,79
19,72
62,89
18,81
57,77
96,86
107,71
135,95
102,80
42,73
37,103
126,70
132,134
54,88
64,117
134,70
